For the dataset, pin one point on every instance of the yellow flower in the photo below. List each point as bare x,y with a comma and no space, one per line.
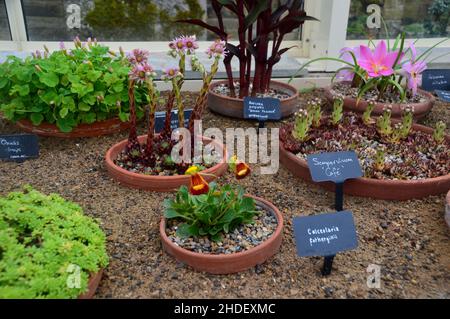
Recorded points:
192,170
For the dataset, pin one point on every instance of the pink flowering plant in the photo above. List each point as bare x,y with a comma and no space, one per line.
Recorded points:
83,84
383,67
154,156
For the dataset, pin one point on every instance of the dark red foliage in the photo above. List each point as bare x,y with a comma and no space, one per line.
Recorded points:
259,21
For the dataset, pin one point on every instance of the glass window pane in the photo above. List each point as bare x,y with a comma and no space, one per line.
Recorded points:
110,20
418,18
5,33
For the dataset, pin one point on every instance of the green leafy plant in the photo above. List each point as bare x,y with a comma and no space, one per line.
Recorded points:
43,241
379,159
301,125
212,214
67,87
407,121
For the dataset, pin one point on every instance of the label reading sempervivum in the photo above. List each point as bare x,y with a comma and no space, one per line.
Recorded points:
325,234
261,109
335,166
19,147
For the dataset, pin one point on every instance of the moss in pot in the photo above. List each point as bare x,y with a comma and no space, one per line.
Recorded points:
220,229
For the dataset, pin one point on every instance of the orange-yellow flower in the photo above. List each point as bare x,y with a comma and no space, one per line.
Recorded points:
242,170
198,185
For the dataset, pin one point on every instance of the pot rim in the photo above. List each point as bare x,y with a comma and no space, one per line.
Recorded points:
381,182
110,161
286,85
226,257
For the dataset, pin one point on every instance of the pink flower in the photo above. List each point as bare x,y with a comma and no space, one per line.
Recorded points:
217,49
412,69
380,62
177,44
190,43
138,56
62,46
170,73
141,72
347,74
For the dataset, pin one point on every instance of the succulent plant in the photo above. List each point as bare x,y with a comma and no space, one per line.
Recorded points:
379,159
407,121
301,125
366,117
338,111
384,122
439,132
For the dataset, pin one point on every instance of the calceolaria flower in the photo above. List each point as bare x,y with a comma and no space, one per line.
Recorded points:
198,185
171,73
138,56
217,49
240,168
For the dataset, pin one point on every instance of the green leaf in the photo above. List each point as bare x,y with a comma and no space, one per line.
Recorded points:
3,82
94,75
124,117
23,90
63,112
171,213
118,87
36,118
64,125
68,101
84,107
50,79
89,118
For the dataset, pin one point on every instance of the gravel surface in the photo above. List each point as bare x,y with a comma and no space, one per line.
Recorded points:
409,240
240,239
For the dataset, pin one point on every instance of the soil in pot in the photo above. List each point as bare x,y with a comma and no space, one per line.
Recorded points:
224,89
241,239
422,102
220,101
163,165
417,157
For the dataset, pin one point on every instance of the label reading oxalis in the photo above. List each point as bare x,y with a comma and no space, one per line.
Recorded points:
19,147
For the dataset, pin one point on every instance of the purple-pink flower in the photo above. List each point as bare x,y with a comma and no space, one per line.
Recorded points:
412,69
170,73
380,62
345,54
138,56
217,49
177,44
141,72
190,43
62,46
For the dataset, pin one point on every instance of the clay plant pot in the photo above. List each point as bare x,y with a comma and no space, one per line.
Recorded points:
154,182
93,283
228,263
420,109
447,209
234,107
371,187
95,129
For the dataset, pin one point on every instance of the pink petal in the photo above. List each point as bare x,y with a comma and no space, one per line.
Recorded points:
366,65
387,72
389,59
408,67
365,52
380,51
413,51
420,66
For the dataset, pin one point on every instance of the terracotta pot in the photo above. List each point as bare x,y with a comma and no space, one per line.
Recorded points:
228,263
93,283
371,187
234,107
420,109
154,182
95,129
447,209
